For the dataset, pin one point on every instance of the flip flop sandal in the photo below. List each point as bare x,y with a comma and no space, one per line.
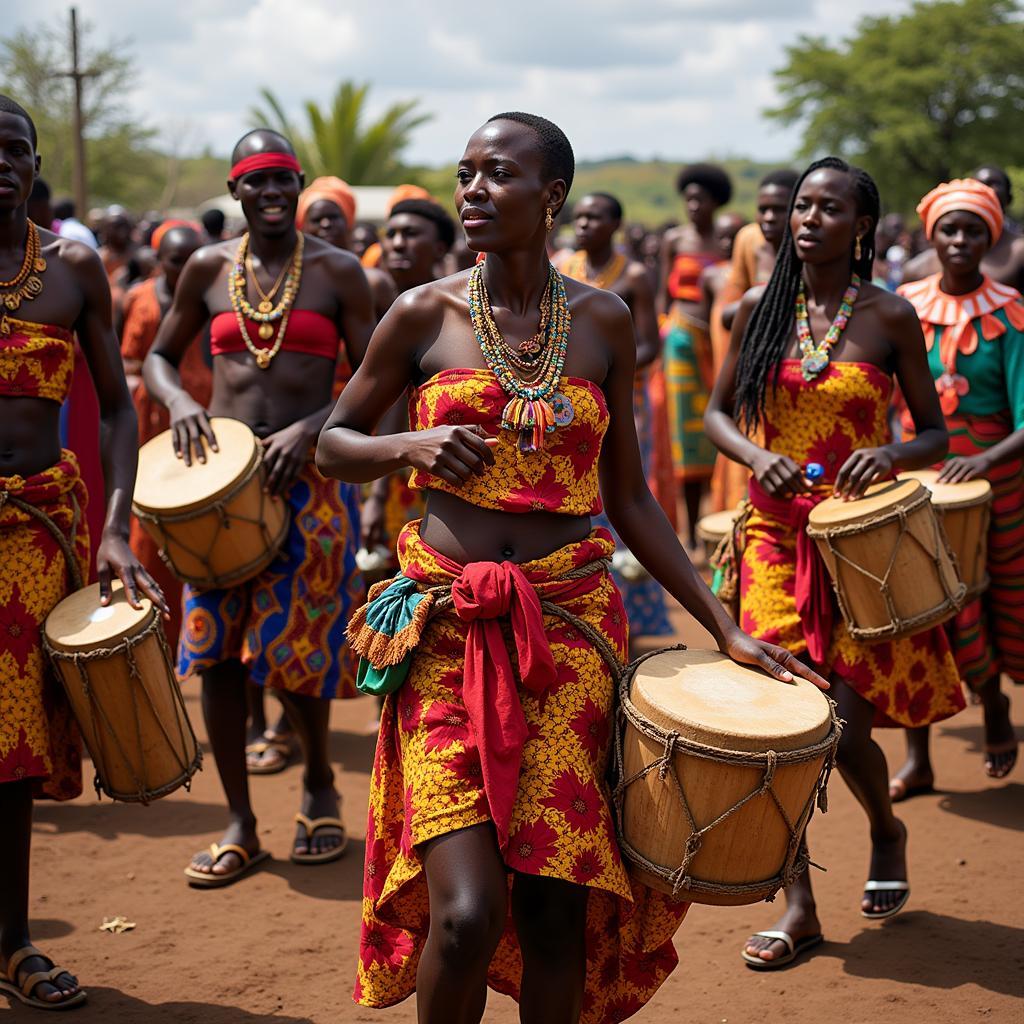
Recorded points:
9,982
311,826
207,880
873,886
900,791
994,749
283,747
796,948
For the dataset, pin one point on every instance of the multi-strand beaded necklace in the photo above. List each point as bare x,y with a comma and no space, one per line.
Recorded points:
266,313
528,374
26,284
814,357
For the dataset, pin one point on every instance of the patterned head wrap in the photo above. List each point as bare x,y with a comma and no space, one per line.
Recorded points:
962,194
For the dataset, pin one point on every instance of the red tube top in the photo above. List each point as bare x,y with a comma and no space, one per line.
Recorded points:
684,277
36,360
309,332
561,477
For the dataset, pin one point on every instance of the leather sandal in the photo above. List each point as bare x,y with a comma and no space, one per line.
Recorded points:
208,880
9,982
311,825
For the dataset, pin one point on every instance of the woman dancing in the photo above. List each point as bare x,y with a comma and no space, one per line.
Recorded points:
826,402
490,850
974,330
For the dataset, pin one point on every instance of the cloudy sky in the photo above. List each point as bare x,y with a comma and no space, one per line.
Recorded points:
672,78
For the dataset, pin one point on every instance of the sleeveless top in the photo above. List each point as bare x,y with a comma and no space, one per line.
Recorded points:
36,360
561,477
684,277
308,332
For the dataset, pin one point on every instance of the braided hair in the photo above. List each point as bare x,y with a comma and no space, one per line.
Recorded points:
771,323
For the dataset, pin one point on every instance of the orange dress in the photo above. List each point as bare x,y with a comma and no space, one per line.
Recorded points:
468,738
142,316
912,680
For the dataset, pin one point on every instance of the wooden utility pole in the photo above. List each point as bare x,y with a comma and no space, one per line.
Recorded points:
77,76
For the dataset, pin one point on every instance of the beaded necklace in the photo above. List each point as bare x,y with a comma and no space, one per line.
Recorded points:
267,313
815,357
26,284
529,375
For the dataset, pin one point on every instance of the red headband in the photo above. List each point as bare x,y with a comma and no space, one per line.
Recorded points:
264,162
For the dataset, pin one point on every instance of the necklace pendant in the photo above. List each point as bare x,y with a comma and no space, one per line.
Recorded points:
12,300
5,327
265,331
530,347
266,306
813,363
39,265
563,410
263,358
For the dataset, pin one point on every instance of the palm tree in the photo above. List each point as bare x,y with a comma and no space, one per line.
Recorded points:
336,141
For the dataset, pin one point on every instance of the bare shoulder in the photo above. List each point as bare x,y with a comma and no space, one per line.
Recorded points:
636,273
208,260
423,308
895,312
80,257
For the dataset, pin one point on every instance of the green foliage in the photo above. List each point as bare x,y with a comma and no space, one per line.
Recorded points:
119,162
915,99
338,141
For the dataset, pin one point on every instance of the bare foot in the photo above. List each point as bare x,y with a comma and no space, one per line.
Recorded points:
888,864
912,779
798,922
1000,739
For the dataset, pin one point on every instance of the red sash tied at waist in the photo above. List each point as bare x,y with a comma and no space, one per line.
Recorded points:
814,602
482,594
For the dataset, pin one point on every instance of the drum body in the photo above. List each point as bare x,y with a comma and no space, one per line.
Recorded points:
890,563
719,767
214,523
115,667
965,509
714,528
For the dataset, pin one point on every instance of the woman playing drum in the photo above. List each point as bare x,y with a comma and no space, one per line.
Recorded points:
52,290
826,402
483,782
974,330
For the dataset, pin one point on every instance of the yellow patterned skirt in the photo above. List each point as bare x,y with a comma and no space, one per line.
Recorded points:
427,782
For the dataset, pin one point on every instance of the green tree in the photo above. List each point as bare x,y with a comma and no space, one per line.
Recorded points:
338,141
120,164
915,99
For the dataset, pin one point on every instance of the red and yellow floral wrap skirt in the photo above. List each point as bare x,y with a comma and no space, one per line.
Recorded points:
431,776
39,739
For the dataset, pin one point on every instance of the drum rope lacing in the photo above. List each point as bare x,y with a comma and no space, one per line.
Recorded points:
219,506
672,743
980,543
127,645
897,626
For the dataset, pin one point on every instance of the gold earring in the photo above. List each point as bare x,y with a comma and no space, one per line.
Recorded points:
856,249
549,221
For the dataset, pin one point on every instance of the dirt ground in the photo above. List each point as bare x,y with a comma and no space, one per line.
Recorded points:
281,945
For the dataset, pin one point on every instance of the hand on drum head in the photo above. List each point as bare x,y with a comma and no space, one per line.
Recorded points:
190,426
115,558
860,470
961,468
776,661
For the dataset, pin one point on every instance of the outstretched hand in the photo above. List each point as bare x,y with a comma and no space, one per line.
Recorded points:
115,558
776,661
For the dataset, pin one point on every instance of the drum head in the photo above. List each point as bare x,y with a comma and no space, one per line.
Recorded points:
877,500
165,484
717,524
707,697
970,492
81,623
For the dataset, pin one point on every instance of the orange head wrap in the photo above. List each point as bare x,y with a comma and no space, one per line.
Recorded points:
158,235
334,189
962,194
403,192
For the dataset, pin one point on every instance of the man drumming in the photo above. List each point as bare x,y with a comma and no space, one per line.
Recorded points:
279,304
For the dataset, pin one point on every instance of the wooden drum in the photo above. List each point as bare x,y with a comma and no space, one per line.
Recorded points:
115,666
964,509
712,529
719,767
214,523
890,563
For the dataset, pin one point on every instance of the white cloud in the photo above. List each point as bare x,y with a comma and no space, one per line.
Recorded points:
677,78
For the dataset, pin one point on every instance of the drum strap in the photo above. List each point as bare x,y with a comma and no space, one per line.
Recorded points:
70,559
768,762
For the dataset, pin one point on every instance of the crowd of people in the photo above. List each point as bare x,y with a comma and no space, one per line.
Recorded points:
512,427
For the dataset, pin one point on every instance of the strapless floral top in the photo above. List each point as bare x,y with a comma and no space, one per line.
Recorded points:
561,477
826,419
36,360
